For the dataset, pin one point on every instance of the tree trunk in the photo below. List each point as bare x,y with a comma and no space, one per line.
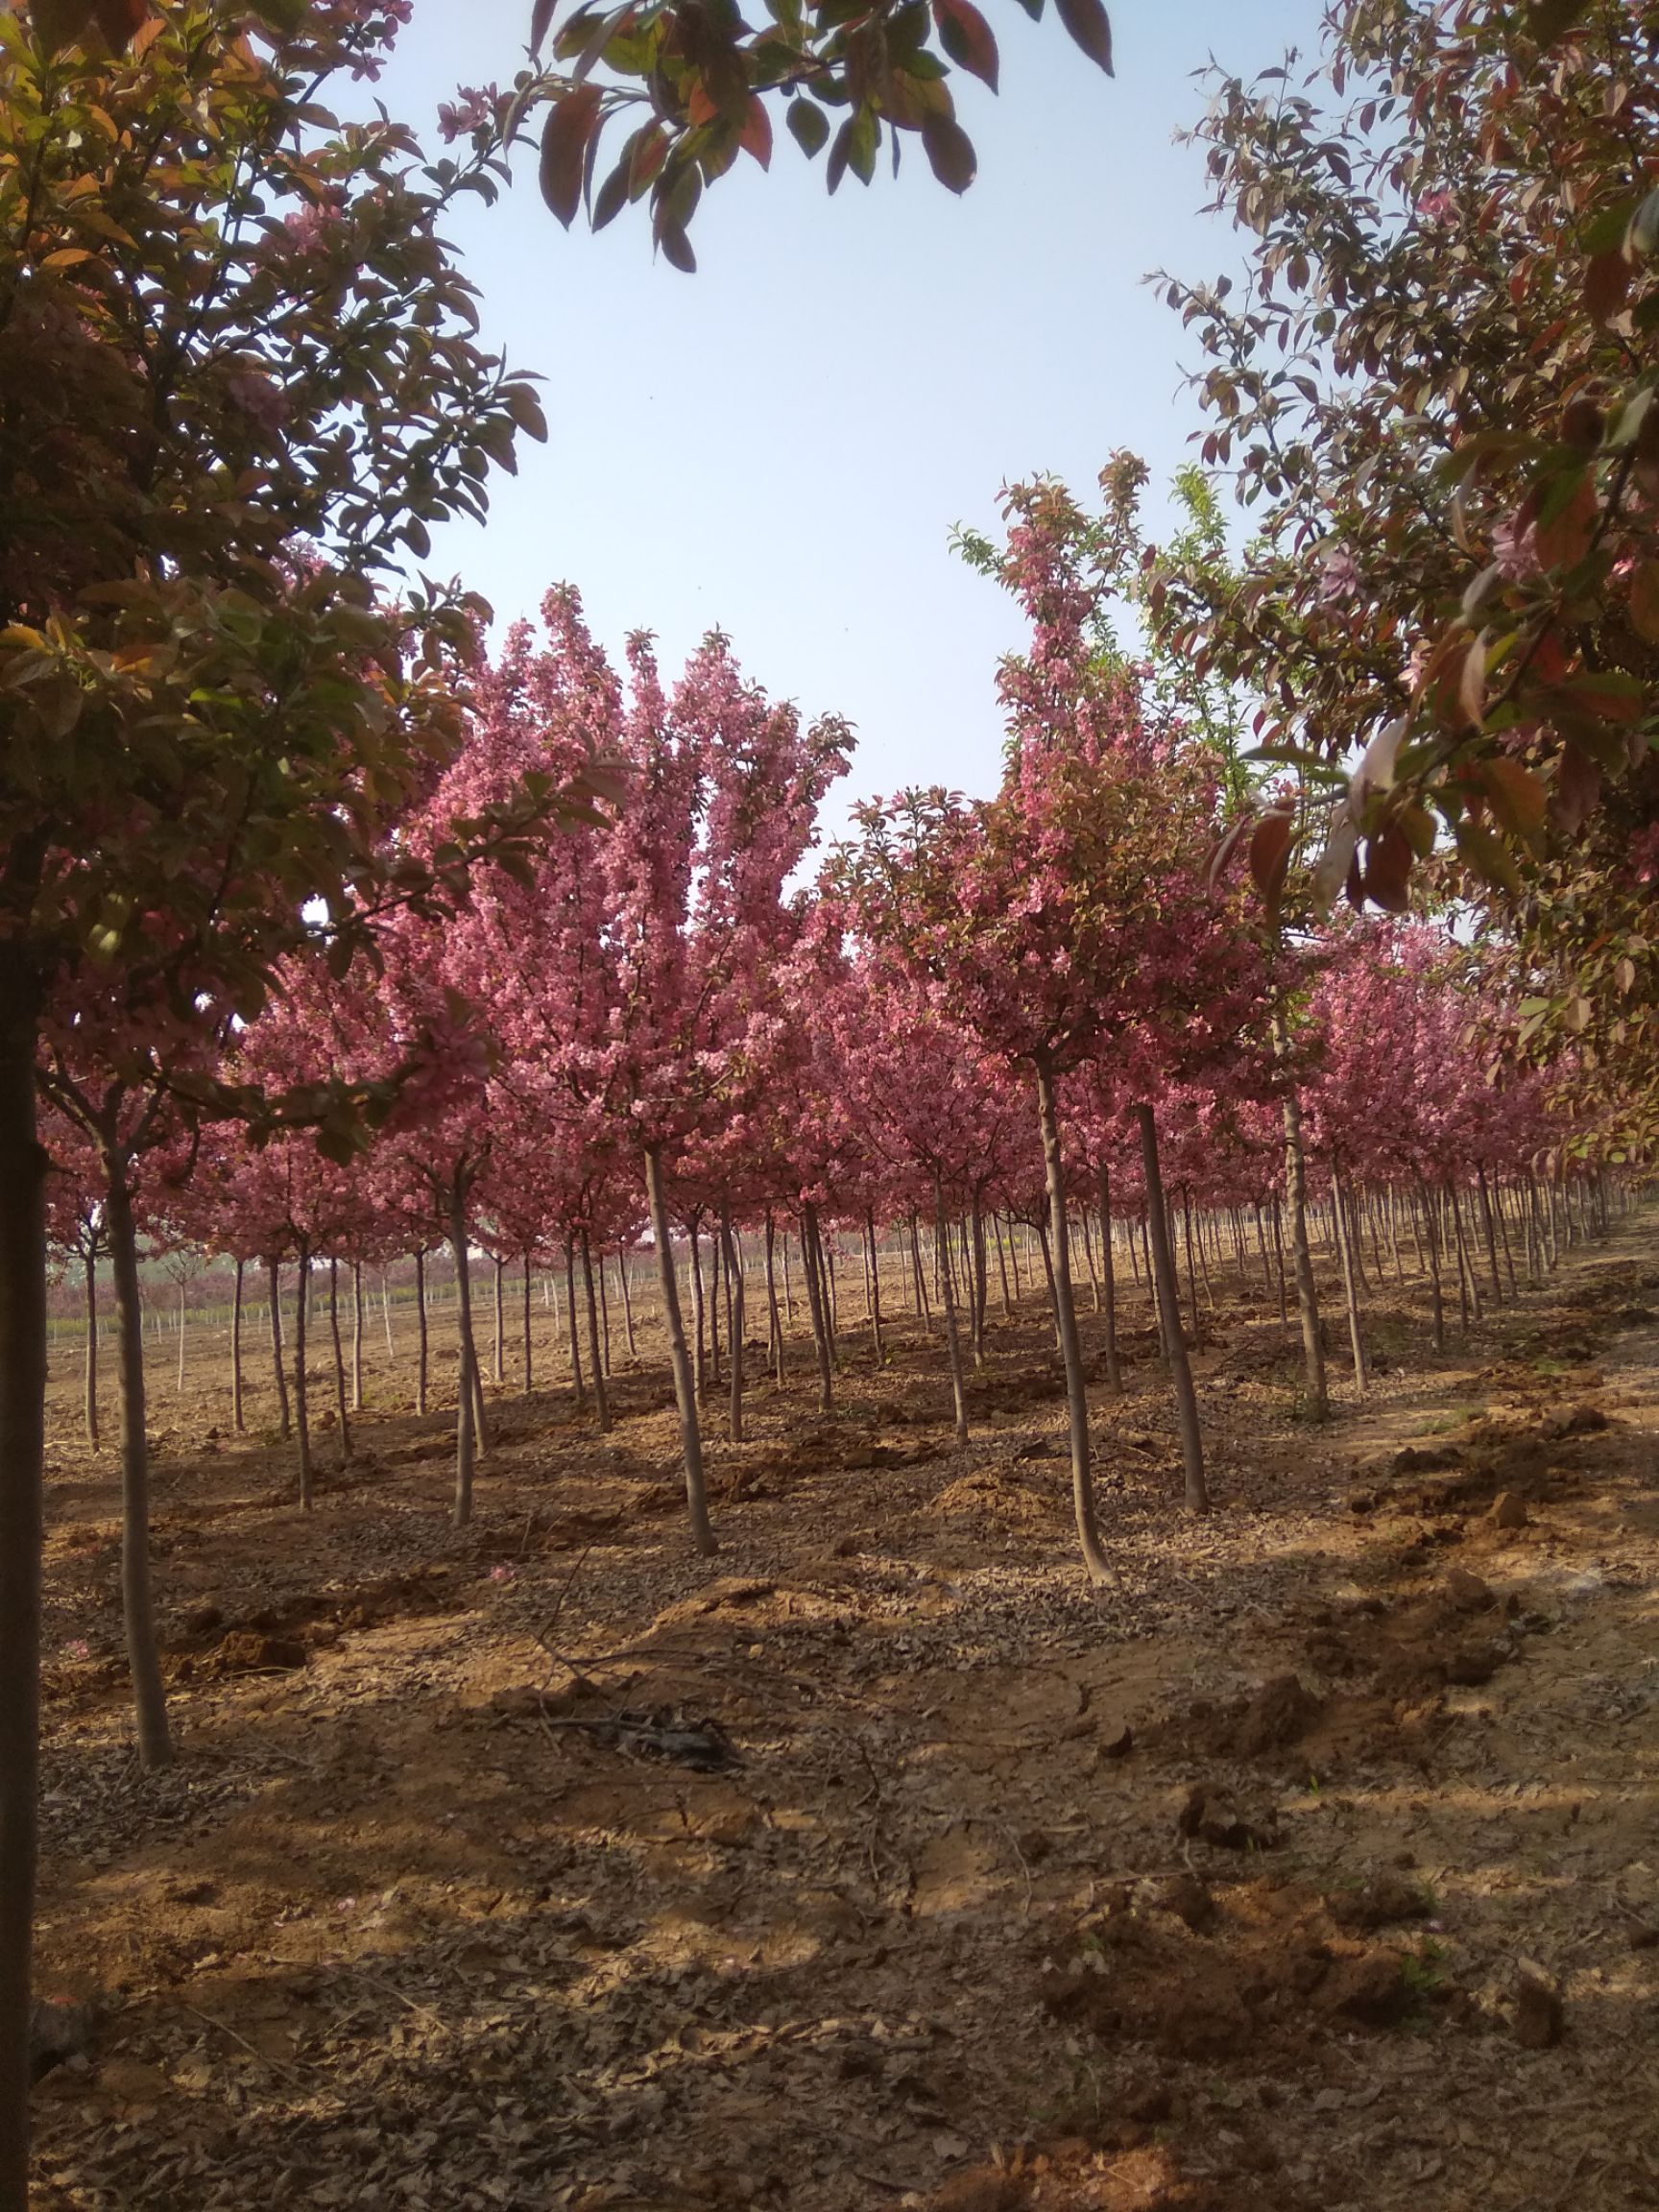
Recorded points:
875,1344
595,1357
627,1302
23,1166
1437,1302
301,1403
1109,1284
237,1417
180,1387
465,1394
1191,1271
423,1348
529,1354
977,1279
1316,1394
736,1323
92,1436
279,1357
774,1319
818,1305
699,1347
919,1279
947,1297
1344,1220
138,1606
499,1361
684,1388
578,1389
1083,1507
1196,1490
356,1335
339,1362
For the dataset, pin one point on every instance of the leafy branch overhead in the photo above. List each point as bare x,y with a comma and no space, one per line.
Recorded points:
655,100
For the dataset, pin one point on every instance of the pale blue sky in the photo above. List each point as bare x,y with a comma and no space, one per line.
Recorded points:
780,444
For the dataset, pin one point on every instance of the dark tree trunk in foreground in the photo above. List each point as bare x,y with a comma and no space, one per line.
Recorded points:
1083,1506
680,1358
818,1305
340,1404
137,1610
22,1453
302,1402
93,1439
1196,1490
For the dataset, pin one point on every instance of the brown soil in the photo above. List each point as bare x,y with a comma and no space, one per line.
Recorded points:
877,1862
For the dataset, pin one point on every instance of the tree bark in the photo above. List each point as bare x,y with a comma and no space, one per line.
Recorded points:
1344,1220
818,1305
137,1603
356,1335
1196,1488
875,1344
301,1403
1083,1506
339,1399
595,1359
685,1386
947,1298
465,1394
627,1302
578,1389
774,1321
422,1351
735,1300
238,1419
529,1356
278,1367
919,1279
1109,1284
23,1166
92,1434
1437,1301
1315,1390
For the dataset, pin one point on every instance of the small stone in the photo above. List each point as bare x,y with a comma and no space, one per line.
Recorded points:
1280,1713
1120,1745
1508,1511
1538,2015
1468,1592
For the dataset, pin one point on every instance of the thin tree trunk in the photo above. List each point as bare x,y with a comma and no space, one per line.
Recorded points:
1191,1271
137,1604
735,1323
423,1348
356,1335
1109,1284
875,1344
23,1329
1437,1302
500,1363
603,1318
979,1280
1002,1266
774,1319
1316,1395
578,1389
1468,1289
301,1403
1344,1220
1489,1229
180,1381
818,1305
1278,1261
1196,1490
684,1389
699,1351
465,1354
386,1316
947,1297
91,1291
596,1356
529,1352
919,1278
627,1303
1083,1507
339,1362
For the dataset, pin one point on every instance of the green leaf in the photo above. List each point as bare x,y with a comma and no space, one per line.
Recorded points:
809,126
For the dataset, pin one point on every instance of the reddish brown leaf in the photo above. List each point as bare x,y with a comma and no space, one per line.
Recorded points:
541,22
677,248
1389,864
1271,858
949,152
1089,26
1517,797
1577,788
571,122
60,22
1606,282
968,39
757,139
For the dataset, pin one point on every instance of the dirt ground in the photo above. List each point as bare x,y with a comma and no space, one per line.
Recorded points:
876,1862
